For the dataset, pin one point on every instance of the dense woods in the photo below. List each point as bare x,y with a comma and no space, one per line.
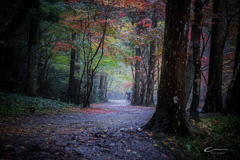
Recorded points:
178,55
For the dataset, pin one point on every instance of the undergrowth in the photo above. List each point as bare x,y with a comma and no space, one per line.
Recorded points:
17,104
217,137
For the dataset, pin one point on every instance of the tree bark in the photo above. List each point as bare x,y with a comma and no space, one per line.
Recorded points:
103,87
32,71
233,95
136,92
213,101
142,89
189,78
77,79
152,60
170,112
196,33
71,86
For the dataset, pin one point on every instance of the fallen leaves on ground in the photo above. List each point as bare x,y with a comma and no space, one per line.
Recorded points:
100,132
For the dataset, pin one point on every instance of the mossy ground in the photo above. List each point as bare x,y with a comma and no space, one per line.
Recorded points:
217,137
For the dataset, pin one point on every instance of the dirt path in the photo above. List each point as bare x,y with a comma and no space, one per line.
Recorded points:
106,131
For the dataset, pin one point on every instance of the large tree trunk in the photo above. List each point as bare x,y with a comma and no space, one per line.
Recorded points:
213,101
32,72
196,33
71,87
233,95
170,112
189,77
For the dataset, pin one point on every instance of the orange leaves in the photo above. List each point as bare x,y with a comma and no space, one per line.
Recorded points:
135,58
63,46
164,143
87,110
95,111
138,58
133,4
145,22
85,21
150,134
64,15
122,15
51,31
128,84
92,23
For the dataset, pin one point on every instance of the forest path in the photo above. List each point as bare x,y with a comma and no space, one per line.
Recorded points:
105,131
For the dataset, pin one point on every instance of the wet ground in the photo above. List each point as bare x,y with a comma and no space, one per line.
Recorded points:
106,131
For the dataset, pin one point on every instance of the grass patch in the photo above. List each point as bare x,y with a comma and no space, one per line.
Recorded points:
217,137
17,104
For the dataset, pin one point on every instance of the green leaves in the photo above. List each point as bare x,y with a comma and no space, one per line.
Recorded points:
15,104
218,132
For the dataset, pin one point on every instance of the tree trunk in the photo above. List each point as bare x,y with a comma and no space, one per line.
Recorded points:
142,89
86,103
71,87
196,33
90,69
233,95
136,94
77,80
152,59
170,114
213,101
103,87
89,90
32,71
189,78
